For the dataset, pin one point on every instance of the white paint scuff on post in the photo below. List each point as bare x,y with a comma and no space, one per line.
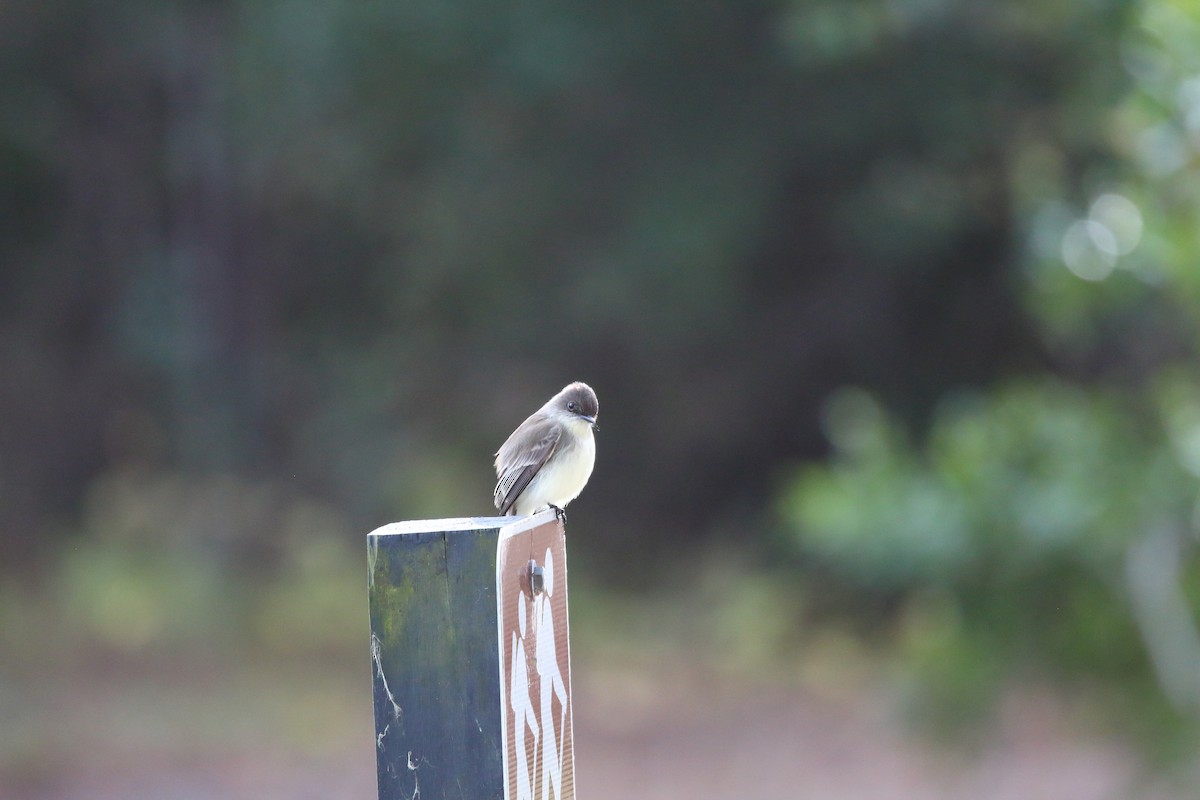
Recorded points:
378,661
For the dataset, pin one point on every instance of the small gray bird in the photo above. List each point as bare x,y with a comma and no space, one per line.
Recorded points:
549,457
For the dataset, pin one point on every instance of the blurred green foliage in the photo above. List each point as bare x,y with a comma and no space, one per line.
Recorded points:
348,245
148,580
1050,522
1002,539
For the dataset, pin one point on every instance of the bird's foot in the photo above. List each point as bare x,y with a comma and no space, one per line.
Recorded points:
560,513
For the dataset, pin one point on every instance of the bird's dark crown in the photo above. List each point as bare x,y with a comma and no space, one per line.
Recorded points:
578,398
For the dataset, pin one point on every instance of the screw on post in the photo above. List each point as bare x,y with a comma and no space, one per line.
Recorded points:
536,576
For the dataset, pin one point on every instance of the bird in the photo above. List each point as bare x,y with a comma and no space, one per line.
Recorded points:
547,460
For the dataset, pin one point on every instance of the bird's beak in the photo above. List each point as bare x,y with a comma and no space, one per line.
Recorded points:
591,421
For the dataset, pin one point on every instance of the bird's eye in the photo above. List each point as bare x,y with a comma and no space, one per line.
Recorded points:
571,406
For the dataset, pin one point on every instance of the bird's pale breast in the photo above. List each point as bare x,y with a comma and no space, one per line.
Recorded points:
562,478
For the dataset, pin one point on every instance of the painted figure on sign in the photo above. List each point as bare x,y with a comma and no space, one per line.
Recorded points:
552,686
524,717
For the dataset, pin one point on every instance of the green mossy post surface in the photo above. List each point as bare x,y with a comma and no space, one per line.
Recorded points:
435,662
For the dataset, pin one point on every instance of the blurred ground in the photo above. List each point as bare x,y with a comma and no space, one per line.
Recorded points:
292,731
770,743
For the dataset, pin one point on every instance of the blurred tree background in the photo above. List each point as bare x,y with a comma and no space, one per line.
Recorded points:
897,299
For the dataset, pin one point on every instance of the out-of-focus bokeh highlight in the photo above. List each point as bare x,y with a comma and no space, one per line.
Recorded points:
892,307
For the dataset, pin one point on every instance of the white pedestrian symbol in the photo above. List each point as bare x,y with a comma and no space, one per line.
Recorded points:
552,685
524,717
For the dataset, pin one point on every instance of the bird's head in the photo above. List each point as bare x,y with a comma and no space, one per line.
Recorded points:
578,402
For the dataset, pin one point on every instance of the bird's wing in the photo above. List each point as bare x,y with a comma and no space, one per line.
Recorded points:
515,470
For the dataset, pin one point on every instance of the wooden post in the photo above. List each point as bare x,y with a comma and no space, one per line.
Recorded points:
470,659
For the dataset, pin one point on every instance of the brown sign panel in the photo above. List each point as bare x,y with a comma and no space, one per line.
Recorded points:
535,663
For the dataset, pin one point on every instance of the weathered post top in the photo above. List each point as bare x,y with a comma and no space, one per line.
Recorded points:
471,659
